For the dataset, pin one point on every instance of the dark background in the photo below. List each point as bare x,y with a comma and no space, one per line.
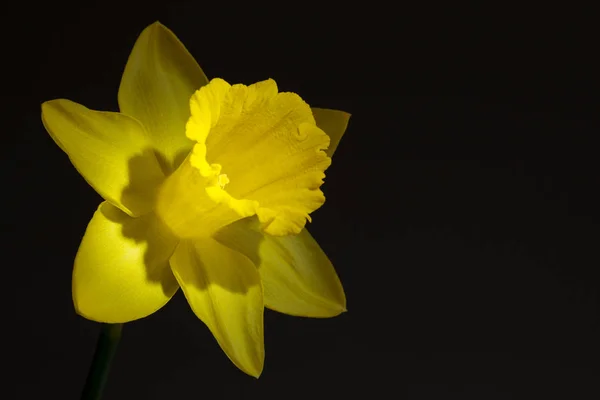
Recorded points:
461,213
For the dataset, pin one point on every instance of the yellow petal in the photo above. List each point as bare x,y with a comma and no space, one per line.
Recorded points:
159,78
297,277
121,270
223,289
110,150
334,123
267,149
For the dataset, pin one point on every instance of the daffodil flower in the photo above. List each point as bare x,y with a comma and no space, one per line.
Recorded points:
208,187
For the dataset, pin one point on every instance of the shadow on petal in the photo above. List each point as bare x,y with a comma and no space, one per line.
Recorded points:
209,263
158,242
297,276
167,167
147,230
141,183
249,229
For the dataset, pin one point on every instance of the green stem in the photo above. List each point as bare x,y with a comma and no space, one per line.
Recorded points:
106,348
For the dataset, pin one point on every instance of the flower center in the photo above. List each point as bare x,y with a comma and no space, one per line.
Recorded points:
193,205
272,151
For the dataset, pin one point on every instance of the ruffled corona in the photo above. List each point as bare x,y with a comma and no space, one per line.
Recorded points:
257,152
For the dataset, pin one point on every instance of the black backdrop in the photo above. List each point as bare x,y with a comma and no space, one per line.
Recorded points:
461,212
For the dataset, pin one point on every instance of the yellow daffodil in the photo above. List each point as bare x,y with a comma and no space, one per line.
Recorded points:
207,187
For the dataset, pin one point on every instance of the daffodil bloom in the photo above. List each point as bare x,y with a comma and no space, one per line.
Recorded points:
208,187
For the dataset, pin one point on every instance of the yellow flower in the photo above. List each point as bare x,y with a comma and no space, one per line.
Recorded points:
207,187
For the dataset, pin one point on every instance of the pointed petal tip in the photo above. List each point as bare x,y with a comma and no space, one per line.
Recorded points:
340,311
156,25
161,74
48,104
44,107
253,368
256,374
223,289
